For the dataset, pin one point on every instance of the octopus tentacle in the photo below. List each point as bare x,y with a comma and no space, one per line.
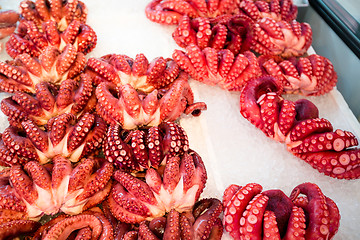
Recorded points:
170,11
235,207
18,227
275,9
206,213
317,210
270,229
64,135
52,65
272,37
298,125
312,75
126,106
37,37
62,230
218,67
251,221
296,225
48,101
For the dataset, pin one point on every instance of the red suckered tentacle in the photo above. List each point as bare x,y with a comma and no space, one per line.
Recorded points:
251,220
98,180
206,212
17,228
117,151
196,31
296,226
317,210
250,95
235,207
299,126
19,106
337,141
138,193
312,75
167,12
63,228
23,146
174,140
86,136
272,37
270,229
23,185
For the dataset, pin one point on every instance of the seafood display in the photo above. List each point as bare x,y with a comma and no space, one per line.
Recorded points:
100,145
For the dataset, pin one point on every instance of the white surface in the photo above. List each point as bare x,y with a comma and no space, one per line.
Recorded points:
233,150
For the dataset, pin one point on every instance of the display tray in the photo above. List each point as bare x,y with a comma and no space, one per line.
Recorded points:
234,151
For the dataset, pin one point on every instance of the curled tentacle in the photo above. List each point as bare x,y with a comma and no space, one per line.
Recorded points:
298,125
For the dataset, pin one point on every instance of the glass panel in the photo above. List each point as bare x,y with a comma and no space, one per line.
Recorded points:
352,6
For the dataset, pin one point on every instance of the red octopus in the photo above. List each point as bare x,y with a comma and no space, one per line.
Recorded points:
298,125
177,186
64,135
170,11
32,40
286,39
63,12
136,93
250,213
221,68
311,75
140,149
49,100
54,66
31,191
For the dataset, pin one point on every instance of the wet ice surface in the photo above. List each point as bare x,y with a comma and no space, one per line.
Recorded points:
233,150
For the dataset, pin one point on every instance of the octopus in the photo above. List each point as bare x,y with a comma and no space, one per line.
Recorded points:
62,12
175,186
33,40
250,213
34,190
139,149
310,76
133,93
285,39
297,124
170,11
65,135
220,68
53,66
49,100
